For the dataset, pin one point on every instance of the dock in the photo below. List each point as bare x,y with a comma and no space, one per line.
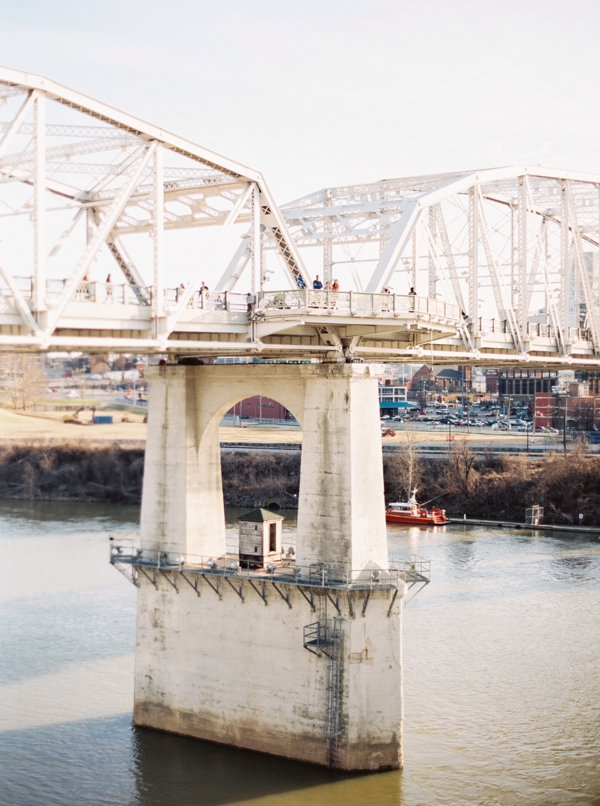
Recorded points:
514,525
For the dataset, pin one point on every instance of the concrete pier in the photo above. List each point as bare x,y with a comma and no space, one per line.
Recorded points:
305,663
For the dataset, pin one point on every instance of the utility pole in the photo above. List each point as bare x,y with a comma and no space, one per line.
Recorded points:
565,425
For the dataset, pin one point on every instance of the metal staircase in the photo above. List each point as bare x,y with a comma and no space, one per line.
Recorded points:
333,722
326,637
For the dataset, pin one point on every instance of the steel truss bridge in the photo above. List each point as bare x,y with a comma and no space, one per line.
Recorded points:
110,225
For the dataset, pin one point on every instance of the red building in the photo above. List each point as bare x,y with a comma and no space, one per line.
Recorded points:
258,407
491,381
582,413
544,410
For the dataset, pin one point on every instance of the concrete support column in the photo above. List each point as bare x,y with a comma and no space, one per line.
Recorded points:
182,501
341,508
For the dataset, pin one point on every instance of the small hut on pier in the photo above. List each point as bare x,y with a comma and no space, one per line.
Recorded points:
260,538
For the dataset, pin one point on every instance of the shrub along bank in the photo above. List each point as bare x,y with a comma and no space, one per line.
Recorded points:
489,487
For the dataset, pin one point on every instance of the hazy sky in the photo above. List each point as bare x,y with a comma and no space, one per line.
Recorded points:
325,92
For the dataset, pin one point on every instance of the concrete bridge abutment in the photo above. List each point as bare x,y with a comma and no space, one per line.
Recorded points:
305,663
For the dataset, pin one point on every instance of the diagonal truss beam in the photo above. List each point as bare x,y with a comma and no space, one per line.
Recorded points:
17,120
398,240
102,232
20,301
447,250
504,311
236,267
272,218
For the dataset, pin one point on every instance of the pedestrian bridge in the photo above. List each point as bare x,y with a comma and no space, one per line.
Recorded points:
109,227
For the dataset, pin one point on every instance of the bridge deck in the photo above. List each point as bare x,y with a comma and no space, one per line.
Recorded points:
283,323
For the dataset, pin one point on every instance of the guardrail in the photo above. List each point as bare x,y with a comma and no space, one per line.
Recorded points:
208,300
354,303
301,300
409,570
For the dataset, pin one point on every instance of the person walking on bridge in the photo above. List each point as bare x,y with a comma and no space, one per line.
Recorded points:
317,284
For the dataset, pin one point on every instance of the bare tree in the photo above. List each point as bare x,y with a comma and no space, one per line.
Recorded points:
24,378
462,461
408,466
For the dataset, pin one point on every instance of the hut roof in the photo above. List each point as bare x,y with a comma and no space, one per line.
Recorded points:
261,515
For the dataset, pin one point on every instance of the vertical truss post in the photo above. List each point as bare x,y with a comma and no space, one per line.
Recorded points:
90,220
158,301
383,239
564,261
441,228
513,249
413,269
582,276
522,240
256,274
504,312
328,247
39,203
539,255
327,261
431,266
473,258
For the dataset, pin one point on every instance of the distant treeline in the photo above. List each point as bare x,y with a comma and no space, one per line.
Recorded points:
489,487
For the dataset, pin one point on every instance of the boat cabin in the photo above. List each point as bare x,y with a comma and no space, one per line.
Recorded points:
260,538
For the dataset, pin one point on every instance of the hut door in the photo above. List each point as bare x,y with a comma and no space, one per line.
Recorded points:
272,537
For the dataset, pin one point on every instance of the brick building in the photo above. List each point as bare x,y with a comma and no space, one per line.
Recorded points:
260,408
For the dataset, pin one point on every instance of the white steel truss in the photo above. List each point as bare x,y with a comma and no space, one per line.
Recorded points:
145,181
491,237
504,262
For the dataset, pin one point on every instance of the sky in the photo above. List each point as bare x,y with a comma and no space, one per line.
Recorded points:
327,92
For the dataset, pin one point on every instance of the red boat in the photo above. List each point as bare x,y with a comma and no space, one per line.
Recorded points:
411,512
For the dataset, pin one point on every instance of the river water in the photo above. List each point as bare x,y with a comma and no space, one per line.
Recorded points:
502,680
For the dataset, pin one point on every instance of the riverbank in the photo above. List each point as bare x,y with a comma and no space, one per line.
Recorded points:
492,487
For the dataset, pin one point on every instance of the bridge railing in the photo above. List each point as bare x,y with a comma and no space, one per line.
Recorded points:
579,334
534,329
401,569
354,303
109,293
208,300
492,325
305,300
24,284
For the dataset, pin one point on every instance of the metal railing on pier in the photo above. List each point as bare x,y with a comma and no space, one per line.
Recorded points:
402,570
